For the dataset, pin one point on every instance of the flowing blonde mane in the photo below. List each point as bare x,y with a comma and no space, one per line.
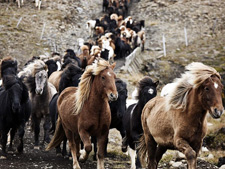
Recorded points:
84,86
32,68
196,73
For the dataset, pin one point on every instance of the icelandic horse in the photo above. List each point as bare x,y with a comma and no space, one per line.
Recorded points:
178,120
84,112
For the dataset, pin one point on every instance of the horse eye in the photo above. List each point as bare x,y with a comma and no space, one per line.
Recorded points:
103,78
206,88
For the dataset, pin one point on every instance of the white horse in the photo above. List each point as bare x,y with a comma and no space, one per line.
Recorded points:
37,3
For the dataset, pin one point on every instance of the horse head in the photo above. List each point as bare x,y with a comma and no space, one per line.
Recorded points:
210,96
120,103
147,89
41,78
17,91
107,82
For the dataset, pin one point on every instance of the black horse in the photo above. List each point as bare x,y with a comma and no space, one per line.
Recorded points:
70,77
15,111
132,117
118,109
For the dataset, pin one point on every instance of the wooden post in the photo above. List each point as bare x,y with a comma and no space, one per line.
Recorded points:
19,22
42,33
185,36
164,45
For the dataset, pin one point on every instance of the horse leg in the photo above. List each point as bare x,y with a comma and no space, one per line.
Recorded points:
36,126
101,143
21,134
12,135
132,154
46,127
64,152
72,145
85,137
94,141
159,153
151,148
3,142
186,149
124,144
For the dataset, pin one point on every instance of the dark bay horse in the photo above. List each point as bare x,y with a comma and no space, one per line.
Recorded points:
14,112
178,120
36,78
132,117
84,112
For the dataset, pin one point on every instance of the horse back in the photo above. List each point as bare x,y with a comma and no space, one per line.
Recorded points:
54,79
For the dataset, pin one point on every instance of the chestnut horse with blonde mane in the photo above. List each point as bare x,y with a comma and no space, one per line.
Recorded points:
85,112
178,120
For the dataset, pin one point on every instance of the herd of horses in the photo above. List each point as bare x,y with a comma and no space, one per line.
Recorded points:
79,104
85,112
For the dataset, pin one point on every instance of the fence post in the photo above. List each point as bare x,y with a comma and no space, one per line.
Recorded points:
185,36
42,33
19,22
164,45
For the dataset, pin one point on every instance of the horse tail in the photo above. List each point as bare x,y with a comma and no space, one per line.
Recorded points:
58,135
142,149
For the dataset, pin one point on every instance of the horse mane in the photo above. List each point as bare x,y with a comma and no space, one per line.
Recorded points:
86,80
196,73
8,62
68,75
146,81
32,68
9,81
120,84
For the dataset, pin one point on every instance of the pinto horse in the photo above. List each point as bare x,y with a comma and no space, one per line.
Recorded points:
84,112
132,117
178,120
15,111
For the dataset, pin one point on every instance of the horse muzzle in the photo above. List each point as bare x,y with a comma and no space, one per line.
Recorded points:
216,113
16,108
113,97
39,91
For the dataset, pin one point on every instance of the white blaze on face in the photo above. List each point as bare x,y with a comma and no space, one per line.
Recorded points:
216,85
150,91
109,74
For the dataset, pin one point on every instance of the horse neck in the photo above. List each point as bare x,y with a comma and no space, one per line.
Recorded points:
195,110
140,105
97,95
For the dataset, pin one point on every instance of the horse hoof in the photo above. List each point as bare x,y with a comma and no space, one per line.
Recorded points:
58,155
36,147
82,160
124,149
3,157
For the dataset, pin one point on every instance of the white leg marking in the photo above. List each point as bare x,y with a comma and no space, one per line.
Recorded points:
132,154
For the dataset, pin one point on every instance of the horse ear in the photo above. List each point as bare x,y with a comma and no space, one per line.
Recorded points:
156,83
113,65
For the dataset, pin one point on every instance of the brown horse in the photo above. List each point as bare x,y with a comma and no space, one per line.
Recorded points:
178,120
85,112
